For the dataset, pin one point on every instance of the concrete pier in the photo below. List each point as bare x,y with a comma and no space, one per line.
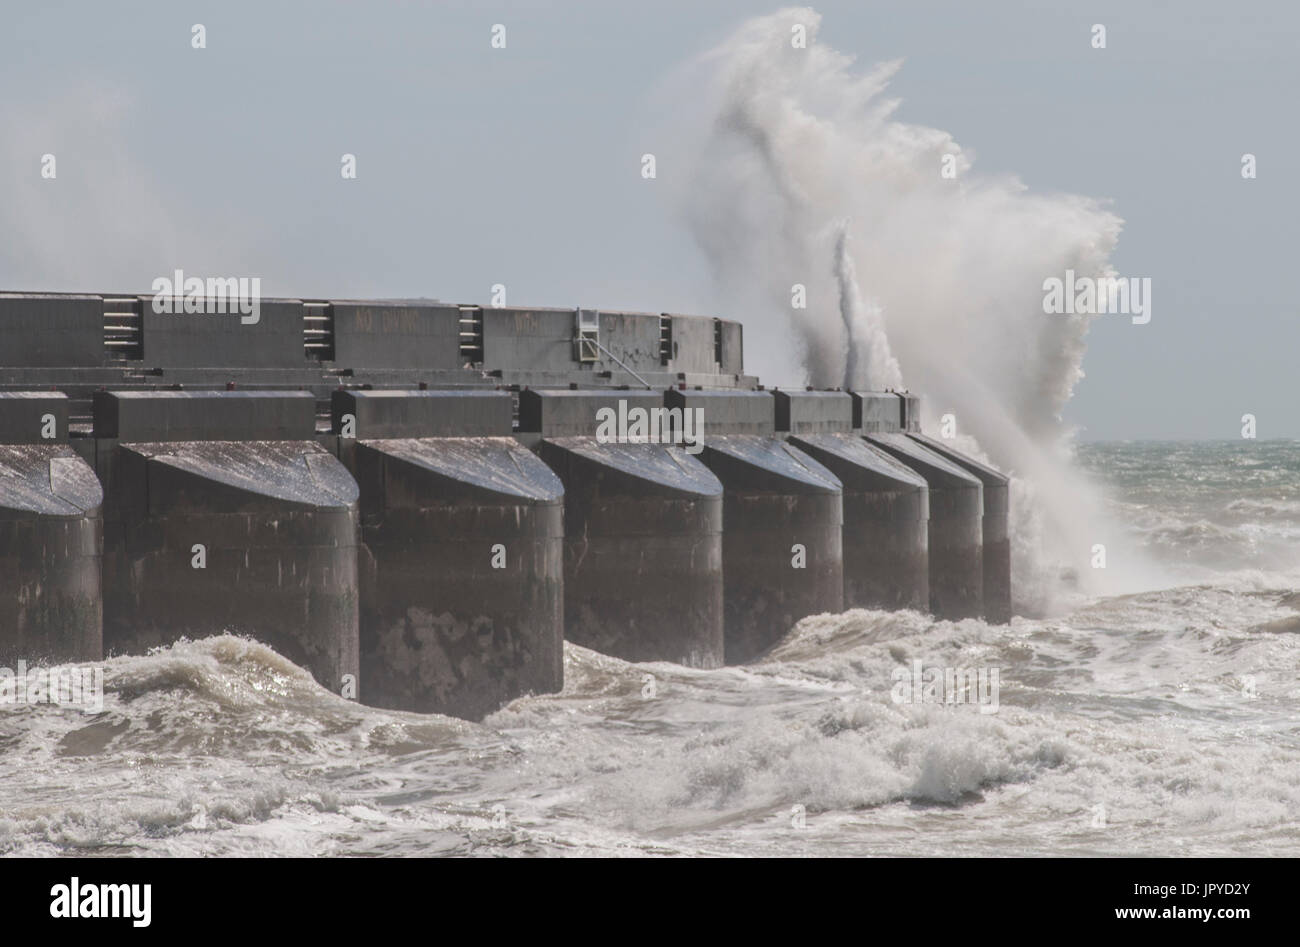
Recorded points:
461,573
419,500
886,503
956,532
204,536
782,520
643,533
51,536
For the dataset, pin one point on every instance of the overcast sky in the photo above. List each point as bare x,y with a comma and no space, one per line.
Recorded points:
521,166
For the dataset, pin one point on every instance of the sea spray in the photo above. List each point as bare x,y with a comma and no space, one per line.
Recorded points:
799,176
868,361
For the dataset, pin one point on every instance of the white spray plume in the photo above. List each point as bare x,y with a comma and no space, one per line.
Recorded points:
868,362
798,173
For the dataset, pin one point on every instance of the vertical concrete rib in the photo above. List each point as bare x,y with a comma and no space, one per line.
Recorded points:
206,534
996,555
886,504
782,519
462,577
51,536
643,533
956,527
886,522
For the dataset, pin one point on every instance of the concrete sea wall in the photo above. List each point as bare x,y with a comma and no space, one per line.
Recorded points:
420,502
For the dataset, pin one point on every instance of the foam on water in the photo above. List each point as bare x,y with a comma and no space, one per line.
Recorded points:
1169,713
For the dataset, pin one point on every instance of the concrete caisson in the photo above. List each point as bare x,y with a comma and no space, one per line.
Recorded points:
206,534
955,530
51,536
461,570
996,555
643,529
886,504
782,520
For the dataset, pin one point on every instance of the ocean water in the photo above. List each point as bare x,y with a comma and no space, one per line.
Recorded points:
1162,722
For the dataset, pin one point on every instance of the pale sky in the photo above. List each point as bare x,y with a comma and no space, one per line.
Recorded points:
520,166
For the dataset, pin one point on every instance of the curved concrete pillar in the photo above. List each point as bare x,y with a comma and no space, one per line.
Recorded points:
886,522
277,523
956,527
462,574
776,498
996,537
642,550
50,543
462,570
204,534
781,521
51,536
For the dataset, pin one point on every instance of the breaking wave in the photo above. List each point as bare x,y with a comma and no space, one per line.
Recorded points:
801,175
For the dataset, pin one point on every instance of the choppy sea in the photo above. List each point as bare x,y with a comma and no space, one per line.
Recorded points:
1162,722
